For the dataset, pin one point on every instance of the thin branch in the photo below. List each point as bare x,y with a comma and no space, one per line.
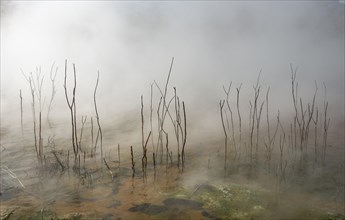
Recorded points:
221,105
97,117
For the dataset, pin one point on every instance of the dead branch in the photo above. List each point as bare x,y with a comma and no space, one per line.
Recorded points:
97,118
221,105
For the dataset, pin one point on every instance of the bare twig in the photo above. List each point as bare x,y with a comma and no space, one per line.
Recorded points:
221,105
254,115
239,116
177,124
29,79
227,92
97,117
184,136
52,79
71,106
36,84
325,127
83,120
151,112
164,109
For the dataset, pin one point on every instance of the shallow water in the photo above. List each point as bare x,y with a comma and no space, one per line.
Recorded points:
166,197
201,191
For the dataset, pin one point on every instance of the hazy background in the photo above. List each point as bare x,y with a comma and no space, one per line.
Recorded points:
132,43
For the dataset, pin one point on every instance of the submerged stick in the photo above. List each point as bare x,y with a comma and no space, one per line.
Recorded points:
315,134
12,174
151,112
133,163
118,154
167,148
59,161
40,143
154,164
144,158
91,137
106,164
83,120
21,110
67,159
84,158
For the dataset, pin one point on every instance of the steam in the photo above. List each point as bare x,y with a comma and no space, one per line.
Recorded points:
131,44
